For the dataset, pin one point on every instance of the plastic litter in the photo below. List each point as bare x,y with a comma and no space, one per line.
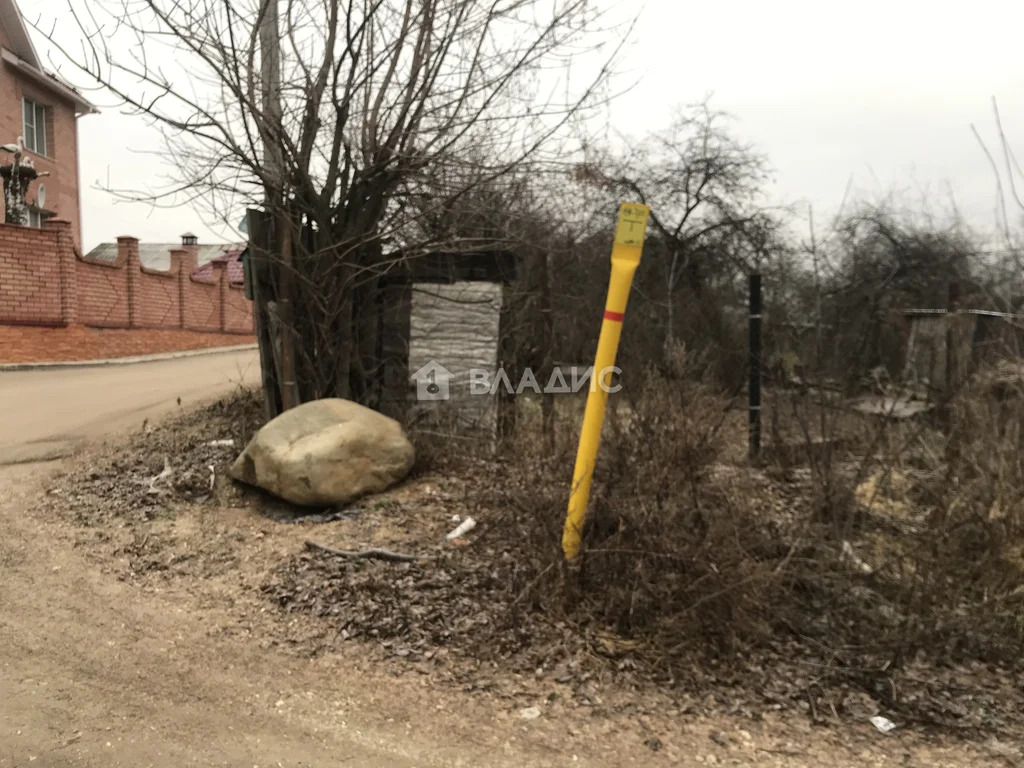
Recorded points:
463,528
883,724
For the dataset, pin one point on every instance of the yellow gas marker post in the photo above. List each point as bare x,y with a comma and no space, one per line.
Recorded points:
626,252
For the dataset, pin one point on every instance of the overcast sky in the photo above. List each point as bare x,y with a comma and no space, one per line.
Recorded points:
880,92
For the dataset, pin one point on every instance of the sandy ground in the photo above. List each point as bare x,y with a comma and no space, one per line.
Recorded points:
97,671
48,413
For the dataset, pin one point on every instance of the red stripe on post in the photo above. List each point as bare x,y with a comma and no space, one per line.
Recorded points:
616,316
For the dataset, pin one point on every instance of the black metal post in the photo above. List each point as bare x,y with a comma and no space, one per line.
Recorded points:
950,373
952,364
754,388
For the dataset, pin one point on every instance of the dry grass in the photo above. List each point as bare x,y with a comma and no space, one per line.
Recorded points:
700,574
899,544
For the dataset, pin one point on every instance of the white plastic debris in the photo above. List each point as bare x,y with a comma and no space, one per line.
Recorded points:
849,554
213,475
227,443
529,713
883,724
462,529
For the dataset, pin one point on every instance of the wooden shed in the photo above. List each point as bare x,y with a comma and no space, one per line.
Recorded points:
443,318
944,346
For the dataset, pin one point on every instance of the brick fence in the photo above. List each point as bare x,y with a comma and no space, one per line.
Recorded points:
41,344
44,281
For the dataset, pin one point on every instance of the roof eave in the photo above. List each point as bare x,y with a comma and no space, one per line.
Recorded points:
21,41
82,105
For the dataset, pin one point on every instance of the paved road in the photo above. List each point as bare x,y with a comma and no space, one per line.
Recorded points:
47,413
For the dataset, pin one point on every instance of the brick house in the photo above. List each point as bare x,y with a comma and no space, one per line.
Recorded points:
124,298
41,109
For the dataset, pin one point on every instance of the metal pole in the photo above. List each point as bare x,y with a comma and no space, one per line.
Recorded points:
626,253
754,388
952,369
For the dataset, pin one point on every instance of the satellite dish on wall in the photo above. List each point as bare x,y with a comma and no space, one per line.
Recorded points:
41,196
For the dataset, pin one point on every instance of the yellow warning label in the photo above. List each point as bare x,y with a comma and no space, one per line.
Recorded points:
632,224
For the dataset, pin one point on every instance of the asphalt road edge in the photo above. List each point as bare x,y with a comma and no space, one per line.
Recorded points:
125,360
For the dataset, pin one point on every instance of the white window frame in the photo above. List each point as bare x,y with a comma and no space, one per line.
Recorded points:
33,123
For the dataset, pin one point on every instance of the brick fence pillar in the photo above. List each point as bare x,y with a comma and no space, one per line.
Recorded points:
68,275
189,264
222,274
128,254
190,244
179,263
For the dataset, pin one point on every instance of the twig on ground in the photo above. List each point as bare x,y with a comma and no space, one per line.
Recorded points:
164,475
532,584
375,554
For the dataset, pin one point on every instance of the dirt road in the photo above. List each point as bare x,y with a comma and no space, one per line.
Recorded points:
97,671
94,672
46,413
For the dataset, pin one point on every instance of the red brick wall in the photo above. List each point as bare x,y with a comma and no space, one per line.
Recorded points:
156,295
202,302
45,281
35,344
102,295
237,310
30,276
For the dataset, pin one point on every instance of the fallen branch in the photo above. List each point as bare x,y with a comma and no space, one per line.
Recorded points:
532,584
165,475
367,554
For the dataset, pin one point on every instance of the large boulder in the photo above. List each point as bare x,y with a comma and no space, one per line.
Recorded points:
326,452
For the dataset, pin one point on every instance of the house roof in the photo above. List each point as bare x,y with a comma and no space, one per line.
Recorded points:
17,32
158,256
22,56
233,258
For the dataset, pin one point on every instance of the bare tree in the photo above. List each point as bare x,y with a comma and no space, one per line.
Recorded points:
1005,262
710,224
336,116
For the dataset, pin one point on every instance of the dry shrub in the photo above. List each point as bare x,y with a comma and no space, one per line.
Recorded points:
927,562
921,556
678,553
689,553
675,544
965,588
